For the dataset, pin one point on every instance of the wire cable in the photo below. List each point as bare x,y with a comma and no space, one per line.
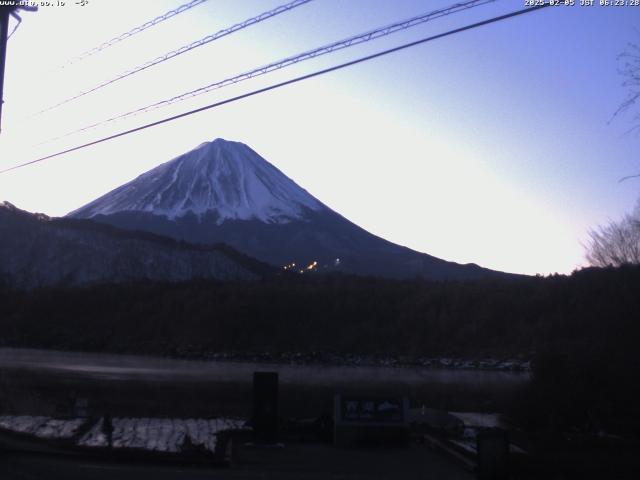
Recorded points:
283,84
133,31
184,49
288,61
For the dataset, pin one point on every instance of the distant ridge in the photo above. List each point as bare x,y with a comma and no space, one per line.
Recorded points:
39,251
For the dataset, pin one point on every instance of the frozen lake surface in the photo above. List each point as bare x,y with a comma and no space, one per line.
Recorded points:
101,366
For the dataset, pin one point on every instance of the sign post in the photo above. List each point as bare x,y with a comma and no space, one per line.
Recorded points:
265,406
370,420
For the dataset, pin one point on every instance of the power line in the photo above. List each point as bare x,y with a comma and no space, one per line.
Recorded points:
133,31
18,19
283,84
288,61
185,48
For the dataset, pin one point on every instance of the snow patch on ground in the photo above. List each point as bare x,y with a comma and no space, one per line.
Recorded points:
160,434
154,434
42,427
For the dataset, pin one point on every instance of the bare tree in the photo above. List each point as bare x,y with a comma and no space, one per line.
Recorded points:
630,71
617,243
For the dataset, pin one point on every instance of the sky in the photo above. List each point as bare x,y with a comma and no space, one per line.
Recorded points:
494,146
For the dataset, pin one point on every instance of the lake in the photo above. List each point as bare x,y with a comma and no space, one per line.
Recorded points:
43,380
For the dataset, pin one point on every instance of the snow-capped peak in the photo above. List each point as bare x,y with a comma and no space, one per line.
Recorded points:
221,177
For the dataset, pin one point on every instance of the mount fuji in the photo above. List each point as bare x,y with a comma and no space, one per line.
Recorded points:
223,191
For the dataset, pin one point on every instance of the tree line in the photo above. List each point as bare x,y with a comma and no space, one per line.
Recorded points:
337,313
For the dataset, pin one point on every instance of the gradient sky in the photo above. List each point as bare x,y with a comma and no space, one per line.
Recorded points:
491,146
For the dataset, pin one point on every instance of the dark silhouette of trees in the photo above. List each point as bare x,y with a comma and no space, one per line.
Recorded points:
333,314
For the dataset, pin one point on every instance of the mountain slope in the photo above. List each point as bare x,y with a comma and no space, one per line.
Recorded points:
225,192
38,251
238,185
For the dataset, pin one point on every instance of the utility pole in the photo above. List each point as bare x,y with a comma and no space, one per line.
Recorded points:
5,11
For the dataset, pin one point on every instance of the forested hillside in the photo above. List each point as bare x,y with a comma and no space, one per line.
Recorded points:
340,314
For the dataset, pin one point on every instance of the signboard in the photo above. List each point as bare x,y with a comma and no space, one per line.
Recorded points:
265,406
372,410
361,419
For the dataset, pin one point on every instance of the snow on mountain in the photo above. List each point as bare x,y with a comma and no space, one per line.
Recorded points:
221,177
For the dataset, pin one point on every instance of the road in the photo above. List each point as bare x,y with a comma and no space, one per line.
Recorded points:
300,462
24,459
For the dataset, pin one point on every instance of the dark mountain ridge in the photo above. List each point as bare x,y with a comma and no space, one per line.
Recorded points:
37,251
